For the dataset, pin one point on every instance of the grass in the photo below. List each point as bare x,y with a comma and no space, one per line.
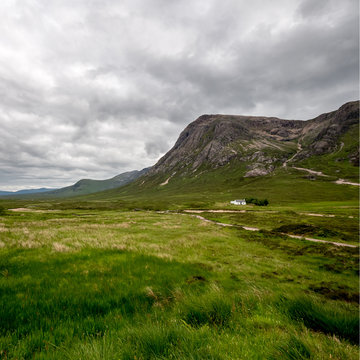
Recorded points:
206,189
106,284
337,163
326,319
340,225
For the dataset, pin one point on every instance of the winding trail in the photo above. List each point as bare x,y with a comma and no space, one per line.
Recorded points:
341,147
299,148
318,173
257,229
312,172
345,182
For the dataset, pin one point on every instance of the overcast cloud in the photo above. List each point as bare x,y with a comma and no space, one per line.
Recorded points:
93,88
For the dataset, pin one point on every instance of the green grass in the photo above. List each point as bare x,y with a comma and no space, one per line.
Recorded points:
326,319
338,163
104,284
304,221
211,189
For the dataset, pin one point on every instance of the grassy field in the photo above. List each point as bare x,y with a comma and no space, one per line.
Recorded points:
120,284
339,224
285,188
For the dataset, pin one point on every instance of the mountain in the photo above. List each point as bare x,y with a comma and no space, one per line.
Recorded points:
25,191
218,158
258,144
82,187
88,186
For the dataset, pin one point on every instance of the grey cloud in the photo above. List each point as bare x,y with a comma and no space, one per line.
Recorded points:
91,89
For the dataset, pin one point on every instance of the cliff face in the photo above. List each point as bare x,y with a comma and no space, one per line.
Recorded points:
262,143
324,131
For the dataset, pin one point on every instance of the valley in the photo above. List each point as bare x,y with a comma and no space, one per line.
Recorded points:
165,267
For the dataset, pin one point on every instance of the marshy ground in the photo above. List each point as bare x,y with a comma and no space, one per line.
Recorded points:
90,284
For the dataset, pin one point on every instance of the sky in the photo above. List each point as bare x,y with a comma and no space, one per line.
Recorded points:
93,88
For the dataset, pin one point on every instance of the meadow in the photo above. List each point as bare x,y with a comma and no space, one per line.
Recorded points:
120,284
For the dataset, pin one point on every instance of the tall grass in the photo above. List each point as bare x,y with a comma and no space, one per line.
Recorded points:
217,298
322,317
212,309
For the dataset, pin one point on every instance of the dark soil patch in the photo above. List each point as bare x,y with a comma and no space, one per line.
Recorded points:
195,278
310,230
335,292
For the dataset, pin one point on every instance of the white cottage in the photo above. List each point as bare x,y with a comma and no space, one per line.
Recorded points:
238,202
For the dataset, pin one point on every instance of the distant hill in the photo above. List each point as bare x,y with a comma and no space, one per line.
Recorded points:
25,191
82,187
88,186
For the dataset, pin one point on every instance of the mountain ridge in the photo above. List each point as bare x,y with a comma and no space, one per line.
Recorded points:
84,186
25,191
264,142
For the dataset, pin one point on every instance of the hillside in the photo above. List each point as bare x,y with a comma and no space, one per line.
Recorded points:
220,157
82,187
261,144
25,191
88,186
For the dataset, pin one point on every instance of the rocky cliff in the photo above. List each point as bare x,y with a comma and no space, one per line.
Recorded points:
261,144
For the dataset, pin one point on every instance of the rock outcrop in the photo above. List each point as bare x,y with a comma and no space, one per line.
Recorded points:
260,143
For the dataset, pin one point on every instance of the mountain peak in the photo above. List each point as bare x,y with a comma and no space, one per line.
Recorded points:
215,140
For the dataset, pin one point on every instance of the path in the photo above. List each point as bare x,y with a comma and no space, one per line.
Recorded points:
345,182
263,211
318,173
257,229
299,148
215,211
167,180
341,147
312,172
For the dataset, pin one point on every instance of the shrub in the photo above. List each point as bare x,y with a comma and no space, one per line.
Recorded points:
257,202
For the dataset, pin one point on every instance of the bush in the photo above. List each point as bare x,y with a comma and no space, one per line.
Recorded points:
2,211
257,202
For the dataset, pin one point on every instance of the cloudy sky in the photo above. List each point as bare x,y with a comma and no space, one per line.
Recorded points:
93,88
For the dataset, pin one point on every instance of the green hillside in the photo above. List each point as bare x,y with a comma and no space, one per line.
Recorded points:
343,162
164,267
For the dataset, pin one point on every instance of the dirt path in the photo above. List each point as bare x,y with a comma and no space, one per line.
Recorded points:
257,229
167,180
288,160
318,173
312,172
32,210
214,211
344,182
341,147
319,215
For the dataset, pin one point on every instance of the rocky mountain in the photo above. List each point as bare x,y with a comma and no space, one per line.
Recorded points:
258,144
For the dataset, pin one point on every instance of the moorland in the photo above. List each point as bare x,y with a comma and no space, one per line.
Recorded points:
166,268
